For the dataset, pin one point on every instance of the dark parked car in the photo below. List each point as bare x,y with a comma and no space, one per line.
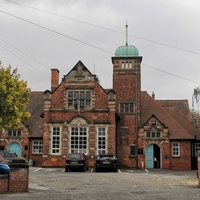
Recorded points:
76,161
106,162
4,168
8,156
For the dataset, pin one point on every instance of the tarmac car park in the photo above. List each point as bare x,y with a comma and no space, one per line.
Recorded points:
129,184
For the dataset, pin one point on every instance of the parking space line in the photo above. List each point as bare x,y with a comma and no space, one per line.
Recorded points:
37,169
146,170
119,170
63,170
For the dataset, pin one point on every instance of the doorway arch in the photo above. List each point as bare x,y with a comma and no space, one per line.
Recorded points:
153,156
15,147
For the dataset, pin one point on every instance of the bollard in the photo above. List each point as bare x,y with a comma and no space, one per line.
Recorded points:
142,165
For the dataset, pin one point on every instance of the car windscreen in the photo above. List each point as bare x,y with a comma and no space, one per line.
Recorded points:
74,156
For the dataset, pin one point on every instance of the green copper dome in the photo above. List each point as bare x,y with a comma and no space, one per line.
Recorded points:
126,51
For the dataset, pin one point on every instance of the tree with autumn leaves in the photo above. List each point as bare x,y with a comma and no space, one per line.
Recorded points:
14,96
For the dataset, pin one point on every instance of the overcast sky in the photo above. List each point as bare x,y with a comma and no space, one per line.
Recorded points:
37,35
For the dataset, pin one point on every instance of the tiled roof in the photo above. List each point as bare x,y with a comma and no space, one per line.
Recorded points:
35,107
181,105
191,128
150,107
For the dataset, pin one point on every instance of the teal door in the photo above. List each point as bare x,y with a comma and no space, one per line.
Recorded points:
15,147
150,156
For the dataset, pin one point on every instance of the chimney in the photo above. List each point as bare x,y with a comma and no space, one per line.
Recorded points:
54,79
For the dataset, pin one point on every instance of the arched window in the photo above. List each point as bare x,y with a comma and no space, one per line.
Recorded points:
122,64
126,65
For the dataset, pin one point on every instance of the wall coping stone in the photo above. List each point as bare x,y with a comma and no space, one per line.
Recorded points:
4,176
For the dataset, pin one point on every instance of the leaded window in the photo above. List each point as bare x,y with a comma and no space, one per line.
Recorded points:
176,149
13,133
79,99
101,140
153,134
37,147
56,136
126,107
79,140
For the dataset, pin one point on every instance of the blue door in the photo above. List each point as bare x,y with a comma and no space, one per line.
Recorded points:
15,147
150,156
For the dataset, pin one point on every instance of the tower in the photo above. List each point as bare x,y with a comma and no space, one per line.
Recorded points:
127,85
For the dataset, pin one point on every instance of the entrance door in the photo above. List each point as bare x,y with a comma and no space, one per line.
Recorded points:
153,158
150,157
15,147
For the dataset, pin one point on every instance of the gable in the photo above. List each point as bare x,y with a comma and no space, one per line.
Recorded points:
150,107
79,72
154,120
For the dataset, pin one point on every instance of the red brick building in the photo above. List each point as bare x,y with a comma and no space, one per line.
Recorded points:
27,140
78,115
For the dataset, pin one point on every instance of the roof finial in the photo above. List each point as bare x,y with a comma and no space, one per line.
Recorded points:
126,33
153,95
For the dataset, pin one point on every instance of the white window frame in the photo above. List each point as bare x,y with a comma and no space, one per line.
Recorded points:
39,146
175,149
101,135
78,142
58,148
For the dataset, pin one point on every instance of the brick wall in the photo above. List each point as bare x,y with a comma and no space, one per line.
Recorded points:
3,183
184,160
126,84
18,177
17,180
